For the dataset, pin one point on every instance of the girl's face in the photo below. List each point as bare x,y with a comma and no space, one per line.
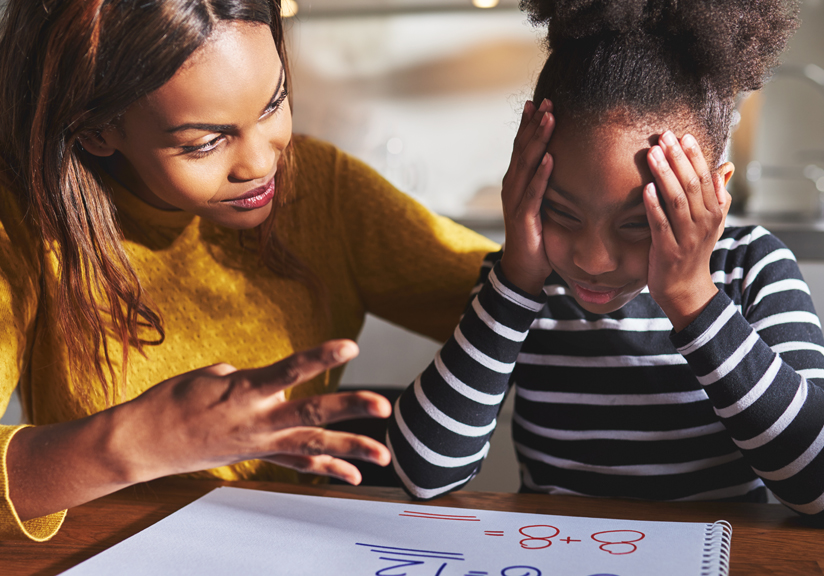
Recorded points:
595,228
209,140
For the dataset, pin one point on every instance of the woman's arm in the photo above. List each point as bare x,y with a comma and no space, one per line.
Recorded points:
206,418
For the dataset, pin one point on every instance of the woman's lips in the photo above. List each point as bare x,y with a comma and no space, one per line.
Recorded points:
255,198
595,294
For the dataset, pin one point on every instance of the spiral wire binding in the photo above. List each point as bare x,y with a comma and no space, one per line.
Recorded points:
717,545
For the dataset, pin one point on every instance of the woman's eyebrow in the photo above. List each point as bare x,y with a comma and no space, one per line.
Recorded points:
206,127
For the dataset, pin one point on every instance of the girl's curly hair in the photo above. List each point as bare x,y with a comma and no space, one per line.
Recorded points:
659,59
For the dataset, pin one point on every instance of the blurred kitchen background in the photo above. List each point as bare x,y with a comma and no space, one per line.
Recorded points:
429,93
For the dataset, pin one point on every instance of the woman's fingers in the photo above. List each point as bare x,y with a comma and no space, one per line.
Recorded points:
318,451
301,366
321,465
329,408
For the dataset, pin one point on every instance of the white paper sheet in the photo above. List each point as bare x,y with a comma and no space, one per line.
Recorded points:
236,531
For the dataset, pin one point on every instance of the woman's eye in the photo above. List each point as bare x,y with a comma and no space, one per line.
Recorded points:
202,150
275,104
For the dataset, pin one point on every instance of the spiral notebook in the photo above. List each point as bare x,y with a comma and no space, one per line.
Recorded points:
237,531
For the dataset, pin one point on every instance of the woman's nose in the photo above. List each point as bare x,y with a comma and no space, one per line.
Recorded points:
255,158
594,255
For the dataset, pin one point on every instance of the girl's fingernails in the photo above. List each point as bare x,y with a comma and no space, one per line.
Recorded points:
544,119
658,155
545,159
669,138
544,105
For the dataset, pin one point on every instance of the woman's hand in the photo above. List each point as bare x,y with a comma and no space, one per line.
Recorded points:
205,418
686,218
524,261
219,415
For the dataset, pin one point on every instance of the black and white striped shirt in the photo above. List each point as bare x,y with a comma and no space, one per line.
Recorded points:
619,405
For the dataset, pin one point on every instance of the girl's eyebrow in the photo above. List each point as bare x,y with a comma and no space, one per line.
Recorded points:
224,127
632,202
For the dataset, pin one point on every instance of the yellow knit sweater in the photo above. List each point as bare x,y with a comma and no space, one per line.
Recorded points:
375,250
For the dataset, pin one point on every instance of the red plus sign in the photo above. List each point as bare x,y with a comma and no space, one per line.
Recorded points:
568,540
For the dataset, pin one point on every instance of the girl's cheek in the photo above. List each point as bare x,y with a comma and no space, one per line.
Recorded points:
556,244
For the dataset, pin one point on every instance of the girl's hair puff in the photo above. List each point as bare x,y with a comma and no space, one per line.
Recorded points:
642,60
70,68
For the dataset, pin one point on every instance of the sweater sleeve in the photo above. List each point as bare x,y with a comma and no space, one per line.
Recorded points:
18,304
413,267
762,365
440,429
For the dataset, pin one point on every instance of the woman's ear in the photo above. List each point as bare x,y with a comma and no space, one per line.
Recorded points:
726,171
98,142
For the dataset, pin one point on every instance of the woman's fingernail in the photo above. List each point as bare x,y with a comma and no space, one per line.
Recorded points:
544,119
544,105
545,159
669,138
345,351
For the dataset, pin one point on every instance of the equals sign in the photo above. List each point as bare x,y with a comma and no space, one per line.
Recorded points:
494,532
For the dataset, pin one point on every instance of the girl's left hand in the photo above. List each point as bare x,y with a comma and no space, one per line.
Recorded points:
686,212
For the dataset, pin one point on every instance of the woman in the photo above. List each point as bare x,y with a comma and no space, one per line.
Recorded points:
139,139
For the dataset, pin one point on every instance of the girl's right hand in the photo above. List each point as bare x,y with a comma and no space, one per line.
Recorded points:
524,262
219,415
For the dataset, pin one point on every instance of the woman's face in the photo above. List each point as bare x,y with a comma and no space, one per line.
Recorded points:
595,227
209,140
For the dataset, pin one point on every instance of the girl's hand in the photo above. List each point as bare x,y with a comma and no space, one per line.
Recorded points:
686,218
524,261
219,415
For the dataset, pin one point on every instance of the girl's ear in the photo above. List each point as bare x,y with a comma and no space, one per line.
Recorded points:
726,170
98,143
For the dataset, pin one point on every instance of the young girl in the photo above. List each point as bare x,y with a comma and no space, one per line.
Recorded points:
136,139
653,353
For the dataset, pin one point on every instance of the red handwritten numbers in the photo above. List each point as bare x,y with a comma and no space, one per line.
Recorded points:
538,536
618,541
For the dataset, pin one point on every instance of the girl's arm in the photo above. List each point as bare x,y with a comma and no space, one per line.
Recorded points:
440,429
758,360
206,418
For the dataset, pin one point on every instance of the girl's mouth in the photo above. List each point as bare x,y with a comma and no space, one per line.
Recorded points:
595,294
255,198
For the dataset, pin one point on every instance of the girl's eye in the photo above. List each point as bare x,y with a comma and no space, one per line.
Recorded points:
644,225
202,150
549,208
275,104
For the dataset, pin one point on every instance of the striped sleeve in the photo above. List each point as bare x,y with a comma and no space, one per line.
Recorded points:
440,428
761,361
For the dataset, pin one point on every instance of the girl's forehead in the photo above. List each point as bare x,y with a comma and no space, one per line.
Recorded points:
602,165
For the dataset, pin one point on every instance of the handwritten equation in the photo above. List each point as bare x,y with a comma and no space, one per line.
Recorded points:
539,538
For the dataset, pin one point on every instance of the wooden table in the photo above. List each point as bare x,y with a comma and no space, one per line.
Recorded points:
767,538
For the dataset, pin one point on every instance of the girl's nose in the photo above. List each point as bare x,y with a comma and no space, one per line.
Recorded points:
256,157
594,255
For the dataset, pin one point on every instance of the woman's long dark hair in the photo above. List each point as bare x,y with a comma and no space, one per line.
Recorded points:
72,67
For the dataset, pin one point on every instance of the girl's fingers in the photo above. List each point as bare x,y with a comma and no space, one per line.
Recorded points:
683,170
527,154
659,224
676,205
697,176
536,189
